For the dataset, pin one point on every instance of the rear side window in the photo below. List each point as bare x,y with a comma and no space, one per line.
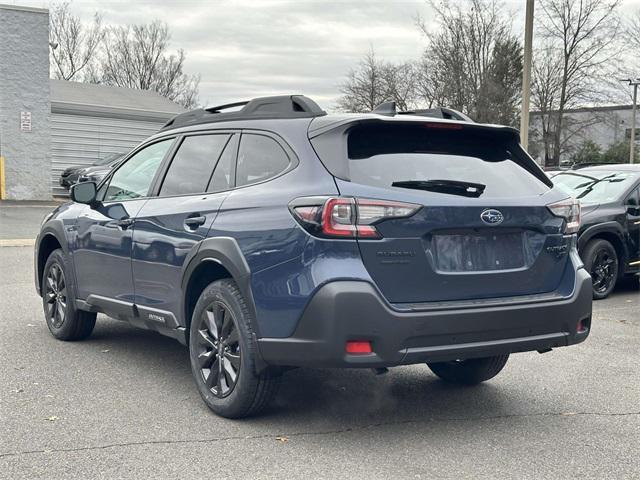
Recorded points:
224,174
259,158
193,165
381,155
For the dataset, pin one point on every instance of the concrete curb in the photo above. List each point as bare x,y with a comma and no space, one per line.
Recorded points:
17,242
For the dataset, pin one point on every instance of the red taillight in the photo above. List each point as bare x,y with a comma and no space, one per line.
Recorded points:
338,218
347,217
358,347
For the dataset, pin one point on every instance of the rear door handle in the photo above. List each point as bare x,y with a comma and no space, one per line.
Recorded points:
194,222
125,223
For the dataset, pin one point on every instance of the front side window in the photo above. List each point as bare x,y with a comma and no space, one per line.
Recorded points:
259,158
634,199
193,165
133,178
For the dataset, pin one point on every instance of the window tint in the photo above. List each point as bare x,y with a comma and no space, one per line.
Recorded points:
224,173
634,198
382,155
193,164
259,158
134,177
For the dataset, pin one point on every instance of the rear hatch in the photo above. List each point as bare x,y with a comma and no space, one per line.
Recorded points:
483,228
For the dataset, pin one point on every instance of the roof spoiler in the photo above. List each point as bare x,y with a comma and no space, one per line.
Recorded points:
389,109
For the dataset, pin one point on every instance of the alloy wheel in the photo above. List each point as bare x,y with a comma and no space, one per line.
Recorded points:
603,270
218,349
56,296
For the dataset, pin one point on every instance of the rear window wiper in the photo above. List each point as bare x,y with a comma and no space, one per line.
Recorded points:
453,187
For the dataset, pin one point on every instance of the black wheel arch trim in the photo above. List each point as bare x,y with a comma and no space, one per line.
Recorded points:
55,229
611,227
226,252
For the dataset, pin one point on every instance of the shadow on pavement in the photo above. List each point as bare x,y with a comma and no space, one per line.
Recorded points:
332,397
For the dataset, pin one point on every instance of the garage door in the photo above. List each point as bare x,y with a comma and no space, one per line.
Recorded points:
81,140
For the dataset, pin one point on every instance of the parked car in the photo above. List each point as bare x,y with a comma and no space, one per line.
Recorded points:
72,175
609,237
278,236
98,172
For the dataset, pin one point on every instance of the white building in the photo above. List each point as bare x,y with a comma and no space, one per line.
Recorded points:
47,125
605,126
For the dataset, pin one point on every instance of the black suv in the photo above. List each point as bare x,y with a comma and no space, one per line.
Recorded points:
609,237
278,236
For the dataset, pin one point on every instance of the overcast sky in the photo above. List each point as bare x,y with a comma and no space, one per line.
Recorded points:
248,49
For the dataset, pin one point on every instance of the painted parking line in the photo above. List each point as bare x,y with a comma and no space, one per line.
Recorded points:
17,242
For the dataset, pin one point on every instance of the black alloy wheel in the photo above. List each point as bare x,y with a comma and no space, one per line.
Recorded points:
218,349
603,270
56,296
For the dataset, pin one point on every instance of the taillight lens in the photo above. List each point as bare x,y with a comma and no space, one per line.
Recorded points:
346,217
568,209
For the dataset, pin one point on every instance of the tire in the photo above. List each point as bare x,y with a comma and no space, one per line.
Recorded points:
469,372
601,261
223,354
64,320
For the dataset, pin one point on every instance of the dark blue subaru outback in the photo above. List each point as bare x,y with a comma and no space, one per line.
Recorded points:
267,235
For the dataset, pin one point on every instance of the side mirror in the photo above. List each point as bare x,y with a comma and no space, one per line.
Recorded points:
84,192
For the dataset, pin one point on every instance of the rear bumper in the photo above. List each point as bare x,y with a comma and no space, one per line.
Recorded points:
352,310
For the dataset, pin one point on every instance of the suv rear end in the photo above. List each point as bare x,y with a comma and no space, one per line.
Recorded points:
467,251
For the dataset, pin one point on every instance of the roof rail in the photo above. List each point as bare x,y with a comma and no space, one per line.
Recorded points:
282,106
389,109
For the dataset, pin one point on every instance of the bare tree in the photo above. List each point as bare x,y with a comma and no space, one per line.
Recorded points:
473,62
136,56
74,45
580,39
374,81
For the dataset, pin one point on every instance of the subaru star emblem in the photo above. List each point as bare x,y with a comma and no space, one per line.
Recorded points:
491,216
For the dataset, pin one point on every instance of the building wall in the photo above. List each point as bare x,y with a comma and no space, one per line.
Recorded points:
605,126
24,86
81,139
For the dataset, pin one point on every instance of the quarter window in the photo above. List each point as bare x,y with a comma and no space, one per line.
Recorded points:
133,178
193,165
259,158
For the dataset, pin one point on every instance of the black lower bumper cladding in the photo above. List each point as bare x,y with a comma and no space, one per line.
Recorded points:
351,310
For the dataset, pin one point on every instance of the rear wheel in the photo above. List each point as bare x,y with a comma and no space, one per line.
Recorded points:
64,320
223,354
469,372
601,261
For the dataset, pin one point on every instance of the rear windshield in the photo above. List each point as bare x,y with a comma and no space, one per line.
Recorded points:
381,155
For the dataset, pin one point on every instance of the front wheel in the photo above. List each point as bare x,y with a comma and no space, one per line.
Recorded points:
223,354
64,320
471,371
601,261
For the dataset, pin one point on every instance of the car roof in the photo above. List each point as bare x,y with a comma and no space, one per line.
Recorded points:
621,167
299,108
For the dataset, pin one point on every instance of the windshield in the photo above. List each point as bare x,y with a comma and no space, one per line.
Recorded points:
448,161
595,186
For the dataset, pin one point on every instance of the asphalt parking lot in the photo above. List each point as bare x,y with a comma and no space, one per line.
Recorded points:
123,405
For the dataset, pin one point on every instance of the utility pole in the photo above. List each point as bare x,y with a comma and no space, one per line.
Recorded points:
526,76
632,140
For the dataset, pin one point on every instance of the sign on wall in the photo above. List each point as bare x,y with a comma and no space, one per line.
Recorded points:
25,121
